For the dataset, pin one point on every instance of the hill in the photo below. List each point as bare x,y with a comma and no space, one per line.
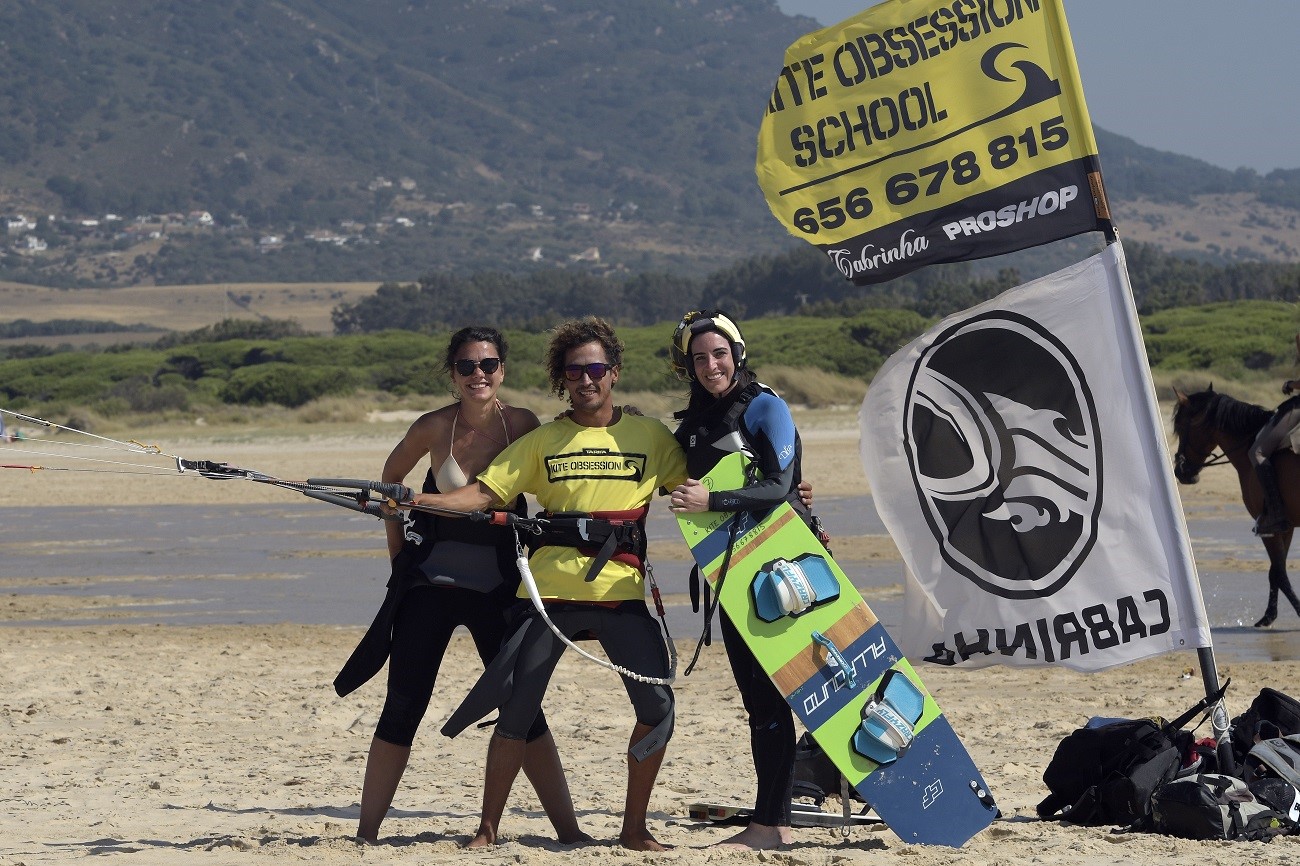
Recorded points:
535,121
328,140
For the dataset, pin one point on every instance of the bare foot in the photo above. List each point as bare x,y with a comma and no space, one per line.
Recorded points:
640,840
575,838
485,837
758,837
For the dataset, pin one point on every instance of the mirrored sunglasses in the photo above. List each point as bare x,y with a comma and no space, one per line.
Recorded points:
466,366
573,372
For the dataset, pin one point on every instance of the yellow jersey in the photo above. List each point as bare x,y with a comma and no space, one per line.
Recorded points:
569,467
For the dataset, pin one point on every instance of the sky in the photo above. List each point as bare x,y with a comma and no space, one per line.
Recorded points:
1215,80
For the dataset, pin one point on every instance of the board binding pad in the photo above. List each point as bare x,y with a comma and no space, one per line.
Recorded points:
840,671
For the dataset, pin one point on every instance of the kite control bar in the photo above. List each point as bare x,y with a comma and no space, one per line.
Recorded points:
391,493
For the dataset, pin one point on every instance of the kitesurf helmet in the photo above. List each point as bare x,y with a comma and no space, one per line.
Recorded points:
697,322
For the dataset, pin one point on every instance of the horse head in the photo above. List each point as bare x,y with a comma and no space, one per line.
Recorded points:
1195,437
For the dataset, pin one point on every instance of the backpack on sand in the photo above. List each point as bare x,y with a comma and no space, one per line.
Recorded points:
1106,772
1213,806
1272,769
1279,757
1279,713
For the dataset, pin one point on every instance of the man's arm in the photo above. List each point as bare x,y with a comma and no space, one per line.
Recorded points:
475,496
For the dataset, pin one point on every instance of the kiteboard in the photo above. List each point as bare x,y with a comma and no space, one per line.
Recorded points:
841,672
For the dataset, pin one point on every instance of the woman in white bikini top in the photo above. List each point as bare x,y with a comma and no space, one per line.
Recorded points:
460,440
450,475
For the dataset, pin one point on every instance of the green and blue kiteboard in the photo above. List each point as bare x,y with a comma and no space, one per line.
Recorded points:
841,672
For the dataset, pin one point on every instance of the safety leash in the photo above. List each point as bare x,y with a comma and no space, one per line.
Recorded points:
530,583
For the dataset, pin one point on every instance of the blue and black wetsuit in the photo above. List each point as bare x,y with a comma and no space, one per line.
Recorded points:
753,420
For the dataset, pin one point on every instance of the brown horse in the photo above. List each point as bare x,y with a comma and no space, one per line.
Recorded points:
1208,421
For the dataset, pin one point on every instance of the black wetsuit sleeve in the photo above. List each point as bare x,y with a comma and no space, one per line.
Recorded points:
769,429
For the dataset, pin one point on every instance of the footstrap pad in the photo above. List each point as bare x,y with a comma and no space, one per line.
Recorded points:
789,588
889,719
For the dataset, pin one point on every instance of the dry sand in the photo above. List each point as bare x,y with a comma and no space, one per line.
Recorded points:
227,744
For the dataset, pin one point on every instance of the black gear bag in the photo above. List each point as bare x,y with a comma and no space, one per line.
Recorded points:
1213,806
1107,773
1271,714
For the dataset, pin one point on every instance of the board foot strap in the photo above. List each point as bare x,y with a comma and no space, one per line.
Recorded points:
889,719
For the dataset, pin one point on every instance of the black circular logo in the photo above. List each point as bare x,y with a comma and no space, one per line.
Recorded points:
1001,434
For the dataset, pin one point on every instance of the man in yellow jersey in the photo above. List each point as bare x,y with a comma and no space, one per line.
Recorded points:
607,464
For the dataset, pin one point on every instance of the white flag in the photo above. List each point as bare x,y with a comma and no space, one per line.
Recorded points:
1017,456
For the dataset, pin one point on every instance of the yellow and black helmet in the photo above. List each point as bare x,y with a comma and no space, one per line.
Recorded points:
697,322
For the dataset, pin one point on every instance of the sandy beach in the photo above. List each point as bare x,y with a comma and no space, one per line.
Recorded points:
227,744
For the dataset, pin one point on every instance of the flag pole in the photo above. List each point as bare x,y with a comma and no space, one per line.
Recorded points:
1219,721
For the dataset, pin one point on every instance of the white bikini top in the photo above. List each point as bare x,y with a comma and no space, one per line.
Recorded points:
449,475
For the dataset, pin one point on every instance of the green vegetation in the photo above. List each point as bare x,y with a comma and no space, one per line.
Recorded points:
293,371
1245,341
799,282
20,328
812,361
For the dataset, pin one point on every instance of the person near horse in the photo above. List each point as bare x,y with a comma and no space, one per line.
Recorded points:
596,461
447,574
1273,437
729,410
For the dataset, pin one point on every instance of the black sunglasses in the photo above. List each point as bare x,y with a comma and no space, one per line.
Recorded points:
465,366
573,372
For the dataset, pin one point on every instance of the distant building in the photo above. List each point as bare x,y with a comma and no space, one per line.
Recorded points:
19,224
325,236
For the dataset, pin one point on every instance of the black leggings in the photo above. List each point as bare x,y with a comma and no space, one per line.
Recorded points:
771,730
630,638
421,631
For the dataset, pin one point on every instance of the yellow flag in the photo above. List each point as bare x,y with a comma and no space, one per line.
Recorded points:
927,131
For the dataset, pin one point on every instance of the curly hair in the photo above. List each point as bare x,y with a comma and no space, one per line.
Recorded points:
474,334
579,332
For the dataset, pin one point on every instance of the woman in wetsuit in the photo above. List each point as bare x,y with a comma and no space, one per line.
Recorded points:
448,573
729,410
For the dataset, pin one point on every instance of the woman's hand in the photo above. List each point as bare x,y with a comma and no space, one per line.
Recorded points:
689,497
805,493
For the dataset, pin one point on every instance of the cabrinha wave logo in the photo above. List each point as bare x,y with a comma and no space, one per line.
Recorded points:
1002,437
